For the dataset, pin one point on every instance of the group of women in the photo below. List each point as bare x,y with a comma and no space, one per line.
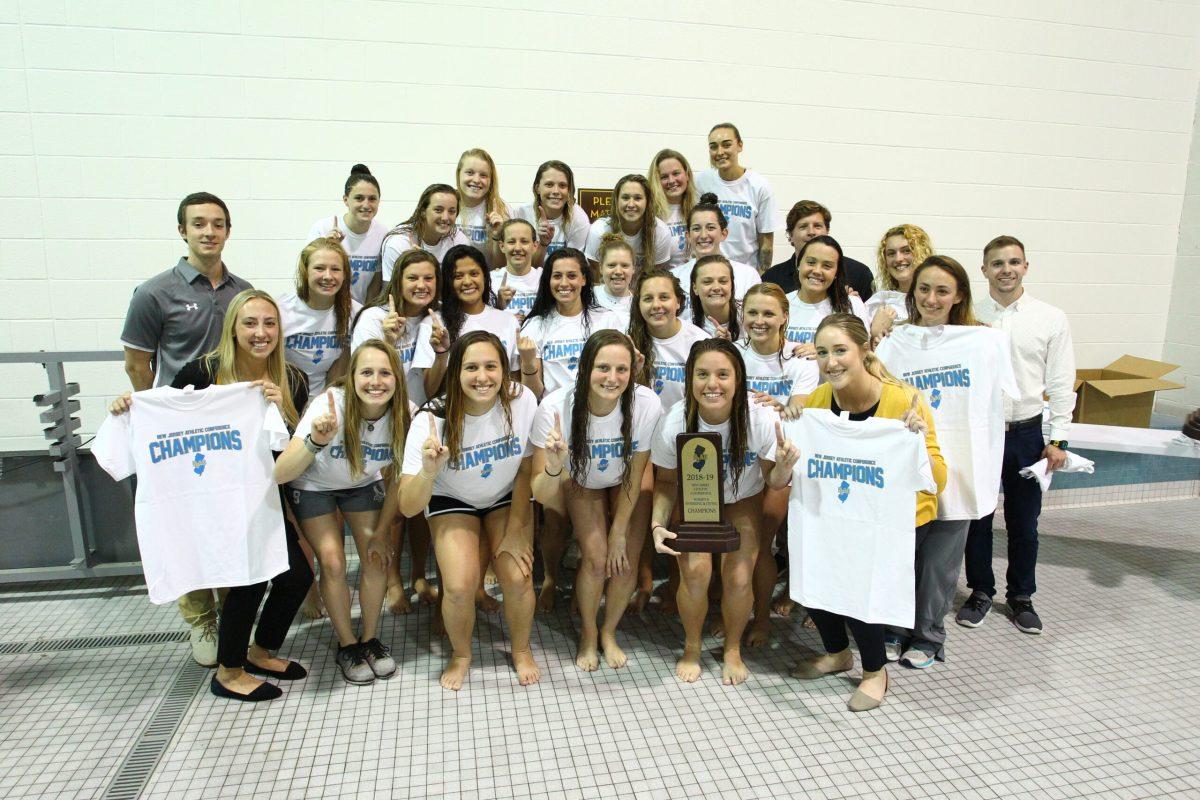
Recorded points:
483,371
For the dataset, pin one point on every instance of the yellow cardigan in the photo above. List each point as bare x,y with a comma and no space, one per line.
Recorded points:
893,402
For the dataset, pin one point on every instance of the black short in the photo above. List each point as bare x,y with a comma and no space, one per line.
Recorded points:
307,503
444,504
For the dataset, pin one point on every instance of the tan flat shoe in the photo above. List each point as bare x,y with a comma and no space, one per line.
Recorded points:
861,701
808,670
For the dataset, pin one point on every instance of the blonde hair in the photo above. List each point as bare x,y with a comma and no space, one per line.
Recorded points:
493,203
352,417
225,353
856,331
918,240
777,294
658,197
341,300
609,243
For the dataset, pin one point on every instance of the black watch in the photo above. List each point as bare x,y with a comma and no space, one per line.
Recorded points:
1061,444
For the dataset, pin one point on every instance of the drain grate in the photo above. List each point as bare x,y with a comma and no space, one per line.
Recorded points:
135,770
11,648
92,642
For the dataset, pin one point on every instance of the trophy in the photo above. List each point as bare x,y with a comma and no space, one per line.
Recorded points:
702,526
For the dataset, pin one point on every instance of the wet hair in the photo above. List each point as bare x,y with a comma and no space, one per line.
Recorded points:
708,202
658,198
648,222
352,405
450,402
359,172
611,242
917,239
839,297
453,314
1002,241
570,203
639,331
739,413
199,199
544,303
698,315
578,424
771,290
508,223
414,226
961,313
806,208
395,286
341,300
736,133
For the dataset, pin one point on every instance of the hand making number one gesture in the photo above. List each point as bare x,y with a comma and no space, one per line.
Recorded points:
506,293
439,337
556,448
434,454
392,324
786,453
721,331
912,417
325,427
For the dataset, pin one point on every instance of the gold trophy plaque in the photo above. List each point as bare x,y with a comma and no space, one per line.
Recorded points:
702,527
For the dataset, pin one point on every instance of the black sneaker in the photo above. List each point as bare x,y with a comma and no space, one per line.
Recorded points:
352,660
1023,615
973,612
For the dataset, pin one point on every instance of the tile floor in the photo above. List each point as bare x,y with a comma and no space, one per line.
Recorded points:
1103,705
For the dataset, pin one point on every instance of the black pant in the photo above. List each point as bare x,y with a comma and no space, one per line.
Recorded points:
868,636
241,604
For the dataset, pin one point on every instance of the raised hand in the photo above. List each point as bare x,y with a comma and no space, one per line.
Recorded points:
439,337
325,427
271,392
912,418
121,405
434,454
527,349
335,234
786,453
556,447
393,325
495,221
545,230
722,331
505,293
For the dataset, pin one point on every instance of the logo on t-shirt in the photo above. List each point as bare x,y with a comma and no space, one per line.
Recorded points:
486,453
486,471
955,376
602,464
935,398
564,351
843,491
191,306
664,373
800,335
737,210
317,356
362,266
862,471
215,437
381,453
775,387
198,464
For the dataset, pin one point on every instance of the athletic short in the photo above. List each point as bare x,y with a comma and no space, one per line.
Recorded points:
308,503
444,504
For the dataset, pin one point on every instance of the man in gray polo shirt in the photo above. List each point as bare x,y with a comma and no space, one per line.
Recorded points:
173,318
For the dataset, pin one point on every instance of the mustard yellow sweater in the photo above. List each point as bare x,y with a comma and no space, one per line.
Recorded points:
893,402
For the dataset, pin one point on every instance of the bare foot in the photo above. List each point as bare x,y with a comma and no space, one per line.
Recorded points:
760,633
783,605
455,673
639,601
614,656
545,599
312,607
396,599
427,593
588,659
528,672
264,660
486,603
734,670
687,669
718,628
489,577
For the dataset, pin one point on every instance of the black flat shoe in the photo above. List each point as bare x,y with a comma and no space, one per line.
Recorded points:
264,692
294,671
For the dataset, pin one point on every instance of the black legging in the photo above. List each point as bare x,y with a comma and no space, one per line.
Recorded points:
237,612
868,635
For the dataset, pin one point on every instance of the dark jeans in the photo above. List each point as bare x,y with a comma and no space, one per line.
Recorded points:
868,636
241,604
1022,506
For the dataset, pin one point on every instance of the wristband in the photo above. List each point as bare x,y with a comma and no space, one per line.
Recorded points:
523,372
1061,444
312,446
555,474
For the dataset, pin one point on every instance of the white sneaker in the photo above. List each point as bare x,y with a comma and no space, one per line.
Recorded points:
892,647
204,643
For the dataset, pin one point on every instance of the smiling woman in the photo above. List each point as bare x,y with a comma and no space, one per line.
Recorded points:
632,218
357,230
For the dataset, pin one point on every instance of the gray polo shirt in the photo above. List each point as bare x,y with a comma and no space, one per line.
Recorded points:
177,315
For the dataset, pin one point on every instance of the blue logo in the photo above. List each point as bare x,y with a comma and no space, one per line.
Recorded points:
354,278
698,464
198,464
658,385
573,363
935,398
318,355
603,465
843,491
486,471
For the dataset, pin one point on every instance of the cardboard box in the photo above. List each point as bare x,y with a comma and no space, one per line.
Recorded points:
1121,393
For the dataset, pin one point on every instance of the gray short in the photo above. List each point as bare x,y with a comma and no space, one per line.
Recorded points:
311,503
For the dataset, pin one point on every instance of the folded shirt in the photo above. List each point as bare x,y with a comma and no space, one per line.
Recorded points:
1074,463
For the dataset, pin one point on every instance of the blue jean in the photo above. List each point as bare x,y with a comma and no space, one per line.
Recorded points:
1022,506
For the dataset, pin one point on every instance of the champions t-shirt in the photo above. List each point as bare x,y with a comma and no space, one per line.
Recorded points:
330,469
370,326
760,444
363,249
748,204
403,238
473,223
621,306
850,515
677,230
207,507
486,469
526,287
577,229
670,360
492,320
803,318
887,298
964,371
781,375
606,453
560,341
310,339
603,226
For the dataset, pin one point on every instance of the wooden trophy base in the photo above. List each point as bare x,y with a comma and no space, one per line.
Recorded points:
705,537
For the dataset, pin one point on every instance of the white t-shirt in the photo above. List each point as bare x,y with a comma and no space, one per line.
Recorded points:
670,361
363,249
889,298
964,371
525,285
662,242
310,338
330,469
370,326
577,230
803,318
560,341
492,320
207,506
473,223
744,276
749,207
781,379
404,239
852,513
606,454
621,306
760,444
491,451
677,230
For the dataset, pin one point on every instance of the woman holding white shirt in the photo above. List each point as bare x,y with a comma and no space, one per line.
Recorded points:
334,463
744,195
632,218
706,231
822,292
663,339
483,211
316,317
592,446
358,232
672,195
559,220
431,227
466,465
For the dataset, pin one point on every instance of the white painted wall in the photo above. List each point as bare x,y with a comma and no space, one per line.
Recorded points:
1182,344
1066,124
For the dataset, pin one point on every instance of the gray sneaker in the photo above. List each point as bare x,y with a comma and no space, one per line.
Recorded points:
1023,615
352,660
204,642
973,612
380,658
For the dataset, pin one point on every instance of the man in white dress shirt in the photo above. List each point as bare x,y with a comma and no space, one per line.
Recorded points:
1044,364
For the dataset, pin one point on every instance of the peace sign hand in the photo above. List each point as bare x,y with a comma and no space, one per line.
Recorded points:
325,427
434,454
393,326
786,453
722,331
439,337
505,293
912,418
556,446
